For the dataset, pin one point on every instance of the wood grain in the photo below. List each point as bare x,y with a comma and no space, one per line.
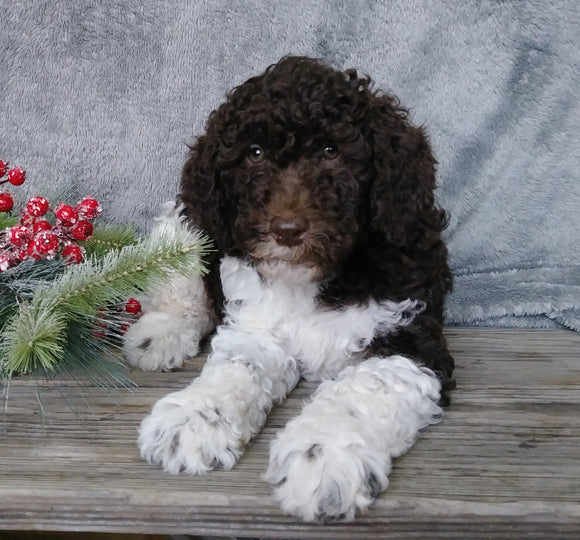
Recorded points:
505,461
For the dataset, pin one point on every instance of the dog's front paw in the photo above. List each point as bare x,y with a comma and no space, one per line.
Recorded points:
160,342
184,434
319,479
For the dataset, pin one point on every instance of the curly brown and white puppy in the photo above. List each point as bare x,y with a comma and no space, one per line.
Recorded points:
318,193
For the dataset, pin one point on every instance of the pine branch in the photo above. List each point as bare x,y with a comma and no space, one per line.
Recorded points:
33,339
86,288
109,237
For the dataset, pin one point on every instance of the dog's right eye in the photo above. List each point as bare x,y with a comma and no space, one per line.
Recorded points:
330,151
255,153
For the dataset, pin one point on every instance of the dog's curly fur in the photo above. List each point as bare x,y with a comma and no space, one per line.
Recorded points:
375,228
318,193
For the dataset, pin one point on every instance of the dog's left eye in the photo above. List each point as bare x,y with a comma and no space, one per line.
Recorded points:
255,153
330,151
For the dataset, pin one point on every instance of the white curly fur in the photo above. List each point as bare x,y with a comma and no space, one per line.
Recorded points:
176,316
335,456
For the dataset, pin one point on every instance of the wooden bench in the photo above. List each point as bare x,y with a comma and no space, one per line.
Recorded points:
505,461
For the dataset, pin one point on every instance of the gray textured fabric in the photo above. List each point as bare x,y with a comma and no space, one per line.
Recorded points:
101,97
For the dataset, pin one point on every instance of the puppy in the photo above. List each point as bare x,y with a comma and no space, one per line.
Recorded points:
318,194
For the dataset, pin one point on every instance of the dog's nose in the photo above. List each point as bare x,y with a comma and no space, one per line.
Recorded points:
288,231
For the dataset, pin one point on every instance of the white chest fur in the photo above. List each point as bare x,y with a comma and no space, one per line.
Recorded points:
322,340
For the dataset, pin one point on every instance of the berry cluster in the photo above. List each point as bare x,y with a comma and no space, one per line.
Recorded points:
42,232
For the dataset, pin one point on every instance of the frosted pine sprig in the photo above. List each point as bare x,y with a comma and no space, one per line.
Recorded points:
84,289
109,237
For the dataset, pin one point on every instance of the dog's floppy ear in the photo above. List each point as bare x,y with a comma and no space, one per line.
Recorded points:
402,207
201,192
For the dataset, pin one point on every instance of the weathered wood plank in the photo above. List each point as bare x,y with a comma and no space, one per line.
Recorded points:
505,460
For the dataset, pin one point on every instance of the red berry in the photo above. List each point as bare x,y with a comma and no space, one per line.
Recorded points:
3,167
31,251
16,176
83,230
133,306
43,245
37,207
19,235
26,220
89,208
66,214
41,225
6,202
72,253
21,254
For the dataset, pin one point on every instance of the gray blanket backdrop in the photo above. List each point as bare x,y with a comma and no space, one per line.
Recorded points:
100,97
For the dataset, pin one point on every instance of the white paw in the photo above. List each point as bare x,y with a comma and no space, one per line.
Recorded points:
317,478
334,458
188,434
160,341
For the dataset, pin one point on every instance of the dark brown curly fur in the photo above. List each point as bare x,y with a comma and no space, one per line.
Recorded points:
305,142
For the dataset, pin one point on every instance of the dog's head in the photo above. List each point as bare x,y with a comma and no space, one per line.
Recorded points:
301,164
